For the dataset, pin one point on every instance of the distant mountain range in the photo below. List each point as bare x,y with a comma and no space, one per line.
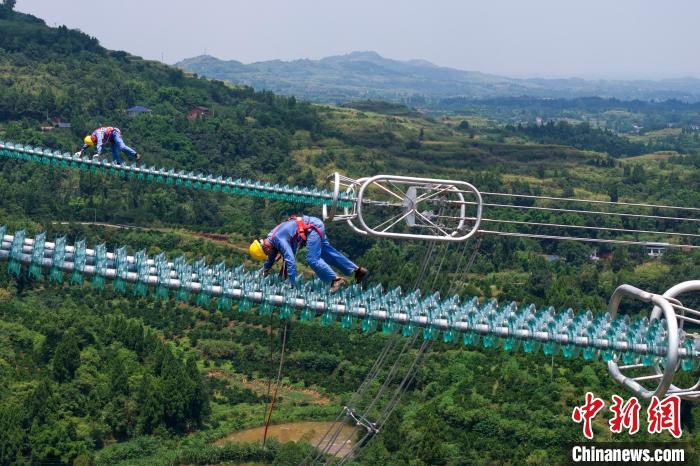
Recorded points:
368,75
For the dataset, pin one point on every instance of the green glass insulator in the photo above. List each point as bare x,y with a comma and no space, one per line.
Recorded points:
286,312
511,344
687,364
203,299
690,362
182,295
570,351
590,353
430,333
307,315
530,346
265,309
448,336
607,355
408,330
628,357
245,305
470,338
119,285
140,289
162,292
98,282
550,348
327,318
347,321
224,303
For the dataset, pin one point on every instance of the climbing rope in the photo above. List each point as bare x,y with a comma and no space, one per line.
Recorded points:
279,381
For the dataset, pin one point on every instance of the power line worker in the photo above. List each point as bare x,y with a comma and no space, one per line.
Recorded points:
113,137
287,237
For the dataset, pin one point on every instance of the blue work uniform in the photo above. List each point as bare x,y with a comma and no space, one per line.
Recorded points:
320,255
112,136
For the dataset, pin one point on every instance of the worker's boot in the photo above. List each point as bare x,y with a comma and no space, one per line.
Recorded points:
337,284
360,274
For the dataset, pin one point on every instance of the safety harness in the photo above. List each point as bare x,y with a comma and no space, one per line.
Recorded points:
108,132
302,230
299,237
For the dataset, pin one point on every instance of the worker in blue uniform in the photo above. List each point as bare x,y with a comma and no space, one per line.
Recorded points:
112,136
287,237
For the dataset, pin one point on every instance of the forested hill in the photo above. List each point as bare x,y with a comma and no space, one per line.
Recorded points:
368,75
62,73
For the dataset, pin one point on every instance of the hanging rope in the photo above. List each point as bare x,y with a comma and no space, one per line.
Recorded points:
279,381
269,366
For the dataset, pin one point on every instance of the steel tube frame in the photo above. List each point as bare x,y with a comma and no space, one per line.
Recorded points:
672,355
422,182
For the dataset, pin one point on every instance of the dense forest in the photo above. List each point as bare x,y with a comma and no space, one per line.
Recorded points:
99,377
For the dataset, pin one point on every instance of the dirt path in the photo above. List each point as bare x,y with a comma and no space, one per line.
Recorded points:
310,431
259,386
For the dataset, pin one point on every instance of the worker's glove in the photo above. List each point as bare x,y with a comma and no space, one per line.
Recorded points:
267,272
78,154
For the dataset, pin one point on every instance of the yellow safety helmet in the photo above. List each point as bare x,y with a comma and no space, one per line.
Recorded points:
256,250
88,140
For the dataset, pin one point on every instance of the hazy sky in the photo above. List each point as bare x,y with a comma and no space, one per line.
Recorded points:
523,38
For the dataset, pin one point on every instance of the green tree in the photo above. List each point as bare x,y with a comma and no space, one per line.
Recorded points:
119,381
150,406
620,258
175,395
11,432
66,358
